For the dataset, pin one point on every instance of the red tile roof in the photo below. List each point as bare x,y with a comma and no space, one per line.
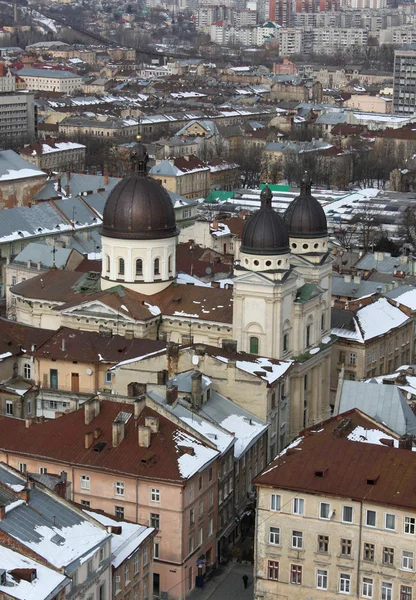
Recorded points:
63,440
348,464
15,337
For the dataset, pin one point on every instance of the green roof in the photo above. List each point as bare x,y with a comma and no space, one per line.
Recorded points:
305,292
219,196
276,187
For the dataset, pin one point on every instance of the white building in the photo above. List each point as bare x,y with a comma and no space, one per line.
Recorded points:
50,80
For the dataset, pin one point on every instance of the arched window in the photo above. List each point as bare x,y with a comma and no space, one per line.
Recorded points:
27,371
170,264
139,267
156,269
108,263
254,345
121,266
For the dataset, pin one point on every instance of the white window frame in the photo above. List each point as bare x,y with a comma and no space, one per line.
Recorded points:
367,585
275,502
408,561
321,579
352,514
118,584
386,590
386,515
136,565
155,494
119,488
274,536
321,505
411,522
210,526
85,482
9,408
367,512
298,506
296,539
344,584
22,467
108,377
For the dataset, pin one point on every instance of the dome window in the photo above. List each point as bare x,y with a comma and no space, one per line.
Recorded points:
139,267
121,266
170,264
156,267
107,258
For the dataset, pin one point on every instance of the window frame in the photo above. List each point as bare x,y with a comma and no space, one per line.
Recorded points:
367,512
347,544
275,499
323,574
411,522
410,559
85,482
155,494
296,538
386,515
273,568
321,505
346,506
273,535
368,584
343,578
300,502
296,573
386,586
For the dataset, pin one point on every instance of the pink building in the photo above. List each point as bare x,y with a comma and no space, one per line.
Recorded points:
135,463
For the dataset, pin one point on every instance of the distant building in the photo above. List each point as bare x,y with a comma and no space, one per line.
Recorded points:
19,180
50,80
187,176
18,117
404,84
59,154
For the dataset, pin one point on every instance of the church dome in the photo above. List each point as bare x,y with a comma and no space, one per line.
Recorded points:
265,231
305,217
139,208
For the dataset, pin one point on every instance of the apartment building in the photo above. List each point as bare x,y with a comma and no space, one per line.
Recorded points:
187,176
135,462
55,154
101,127
373,340
7,80
50,80
336,515
404,81
18,117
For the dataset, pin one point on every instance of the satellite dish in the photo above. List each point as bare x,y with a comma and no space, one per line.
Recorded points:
409,396
208,270
89,371
195,360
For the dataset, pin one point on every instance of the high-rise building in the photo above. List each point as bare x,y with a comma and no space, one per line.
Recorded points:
17,118
404,82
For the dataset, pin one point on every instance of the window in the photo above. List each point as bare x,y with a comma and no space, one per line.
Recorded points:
407,560
346,546
211,526
273,570
388,556
170,264
85,482
154,520
200,536
211,498
136,563
126,573
191,516
22,467
156,266
323,543
108,263
119,511
308,335
121,266
353,358
254,345
381,350
323,322
285,342
368,358
405,592
108,378
85,503
27,371
275,502
409,525
368,551
43,470
324,510
347,514
9,407
298,506
14,280
210,474
297,539
274,536
191,544
344,583
119,488
200,508
322,579
296,574
390,522
386,591
341,357
367,588
191,492
145,556
155,495
370,519
156,550
139,267
118,584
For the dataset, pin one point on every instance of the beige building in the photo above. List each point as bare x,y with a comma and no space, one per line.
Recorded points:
99,126
367,103
50,80
55,154
336,515
187,176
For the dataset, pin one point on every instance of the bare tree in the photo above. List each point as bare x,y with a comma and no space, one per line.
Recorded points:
367,227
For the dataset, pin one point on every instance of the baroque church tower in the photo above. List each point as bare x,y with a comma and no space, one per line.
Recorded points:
282,303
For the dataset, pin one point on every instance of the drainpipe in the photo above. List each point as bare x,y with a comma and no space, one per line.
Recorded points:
359,551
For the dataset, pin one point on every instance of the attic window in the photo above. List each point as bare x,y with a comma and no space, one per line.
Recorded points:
100,446
320,473
372,479
58,540
176,300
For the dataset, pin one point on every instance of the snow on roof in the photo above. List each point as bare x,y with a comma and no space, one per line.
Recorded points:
221,230
408,298
46,585
184,279
262,367
155,310
220,438
244,429
192,454
370,436
123,545
13,166
137,358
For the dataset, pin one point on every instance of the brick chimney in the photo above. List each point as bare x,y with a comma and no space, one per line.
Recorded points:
89,439
172,355
231,367
152,423
118,432
28,423
144,436
406,442
91,410
139,405
229,345
196,389
171,395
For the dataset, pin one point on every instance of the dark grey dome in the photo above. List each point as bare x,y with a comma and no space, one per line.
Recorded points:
305,217
139,208
265,231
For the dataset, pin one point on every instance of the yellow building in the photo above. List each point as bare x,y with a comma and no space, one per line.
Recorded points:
336,515
187,176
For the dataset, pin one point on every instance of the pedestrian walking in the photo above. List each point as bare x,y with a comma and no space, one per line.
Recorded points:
245,579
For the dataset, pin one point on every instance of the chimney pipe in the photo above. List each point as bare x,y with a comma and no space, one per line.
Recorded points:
152,423
2,512
118,433
229,345
91,410
89,439
139,405
28,423
144,436
171,395
63,345
196,389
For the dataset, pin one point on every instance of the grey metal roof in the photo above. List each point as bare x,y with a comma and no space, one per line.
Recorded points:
331,118
342,319
36,220
10,161
387,264
50,73
352,289
385,403
184,381
42,253
79,184
85,244
76,211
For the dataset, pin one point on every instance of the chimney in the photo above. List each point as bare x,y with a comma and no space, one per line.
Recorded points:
24,495
91,410
171,395
105,179
406,442
152,423
357,279
231,366
28,423
196,389
63,345
89,439
67,190
229,345
29,264
97,433
28,575
135,389
59,187
118,432
139,405
144,436
172,355
38,265
2,512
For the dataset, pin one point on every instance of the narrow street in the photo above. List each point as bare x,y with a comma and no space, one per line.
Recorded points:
227,584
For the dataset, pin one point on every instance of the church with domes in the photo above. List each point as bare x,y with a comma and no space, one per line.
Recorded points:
278,306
